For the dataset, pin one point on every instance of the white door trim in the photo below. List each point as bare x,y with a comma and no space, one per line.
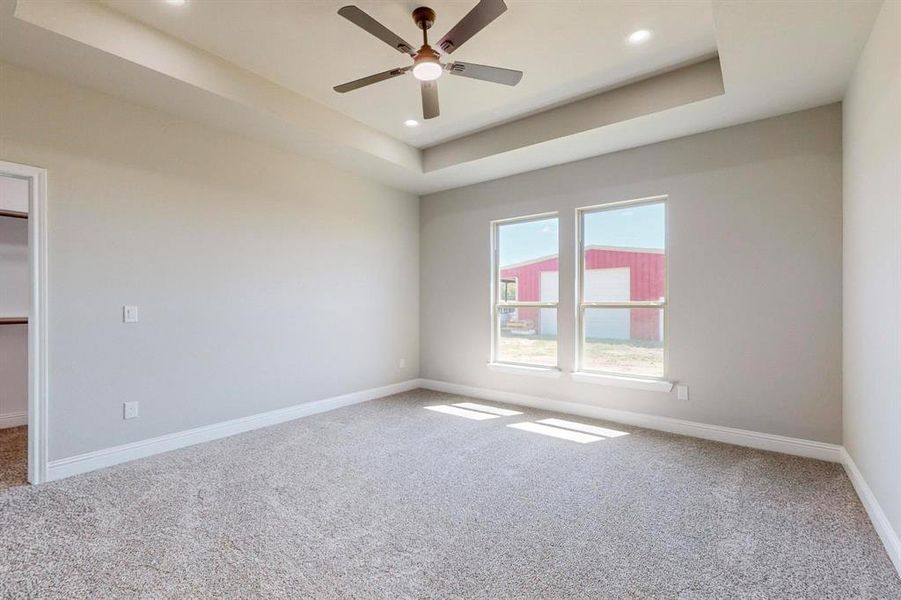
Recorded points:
37,316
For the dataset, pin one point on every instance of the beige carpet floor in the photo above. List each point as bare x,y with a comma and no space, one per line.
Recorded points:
13,462
390,500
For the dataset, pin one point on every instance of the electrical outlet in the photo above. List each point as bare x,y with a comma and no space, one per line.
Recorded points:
130,410
129,314
402,363
682,392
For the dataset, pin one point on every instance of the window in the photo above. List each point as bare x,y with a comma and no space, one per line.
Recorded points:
524,291
622,289
508,290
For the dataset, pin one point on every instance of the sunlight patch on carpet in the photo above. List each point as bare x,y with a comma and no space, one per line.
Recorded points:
461,412
563,434
501,412
593,429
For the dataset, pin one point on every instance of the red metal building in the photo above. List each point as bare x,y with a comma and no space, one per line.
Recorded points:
612,274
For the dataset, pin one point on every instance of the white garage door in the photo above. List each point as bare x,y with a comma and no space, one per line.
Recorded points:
549,292
608,285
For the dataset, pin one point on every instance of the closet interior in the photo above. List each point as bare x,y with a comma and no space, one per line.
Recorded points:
14,309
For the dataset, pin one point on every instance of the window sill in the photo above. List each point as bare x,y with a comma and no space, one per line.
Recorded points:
551,372
651,385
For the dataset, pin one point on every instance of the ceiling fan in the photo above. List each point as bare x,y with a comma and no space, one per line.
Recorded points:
427,66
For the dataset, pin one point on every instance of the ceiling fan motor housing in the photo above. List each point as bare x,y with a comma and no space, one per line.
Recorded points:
426,53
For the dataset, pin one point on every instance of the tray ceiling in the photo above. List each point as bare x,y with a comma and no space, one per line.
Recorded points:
265,69
566,49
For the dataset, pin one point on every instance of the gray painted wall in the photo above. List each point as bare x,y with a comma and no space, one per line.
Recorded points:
872,264
754,234
264,280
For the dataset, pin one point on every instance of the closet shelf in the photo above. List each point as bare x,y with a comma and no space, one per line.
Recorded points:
13,320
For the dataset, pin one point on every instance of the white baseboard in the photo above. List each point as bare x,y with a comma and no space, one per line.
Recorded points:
15,419
107,457
887,534
729,435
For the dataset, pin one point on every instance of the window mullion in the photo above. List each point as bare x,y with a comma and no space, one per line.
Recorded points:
527,304
634,304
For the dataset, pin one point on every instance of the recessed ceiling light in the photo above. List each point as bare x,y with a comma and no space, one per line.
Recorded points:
639,37
411,123
176,2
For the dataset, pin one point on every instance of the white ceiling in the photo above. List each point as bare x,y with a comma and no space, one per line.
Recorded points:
265,68
566,49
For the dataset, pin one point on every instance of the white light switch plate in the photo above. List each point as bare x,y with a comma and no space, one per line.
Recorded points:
682,392
130,410
129,314
402,363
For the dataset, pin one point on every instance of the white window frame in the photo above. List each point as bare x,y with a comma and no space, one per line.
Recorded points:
582,305
497,304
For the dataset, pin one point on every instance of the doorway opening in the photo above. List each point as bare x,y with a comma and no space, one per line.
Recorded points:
23,397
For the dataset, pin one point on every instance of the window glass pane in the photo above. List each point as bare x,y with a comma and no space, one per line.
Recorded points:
624,254
527,251
623,340
527,336
508,292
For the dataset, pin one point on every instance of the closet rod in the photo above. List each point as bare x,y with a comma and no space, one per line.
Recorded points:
14,214
13,320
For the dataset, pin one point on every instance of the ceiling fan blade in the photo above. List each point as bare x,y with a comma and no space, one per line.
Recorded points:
485,73
364,21
363,82
429,99
475,20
